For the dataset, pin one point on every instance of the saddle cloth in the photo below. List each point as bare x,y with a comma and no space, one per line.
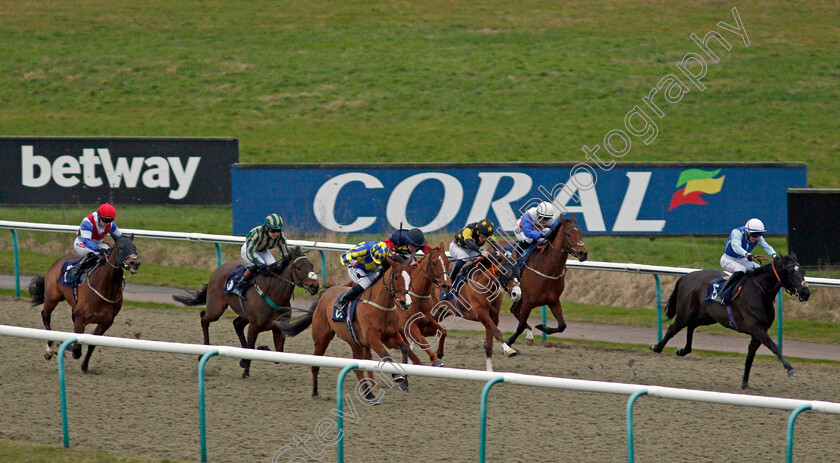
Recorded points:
65,278
717,284
232,279
348,319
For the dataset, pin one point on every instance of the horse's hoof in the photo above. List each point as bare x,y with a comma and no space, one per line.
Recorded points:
792,372
439,363
540,327
509,351
314,394
530,342
243,363
48,355
77,354
398,378
512,353
263,348
404,386
745,386
654,349
84,368
372,401
245,375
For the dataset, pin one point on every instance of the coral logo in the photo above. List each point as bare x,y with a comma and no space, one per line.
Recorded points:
697,182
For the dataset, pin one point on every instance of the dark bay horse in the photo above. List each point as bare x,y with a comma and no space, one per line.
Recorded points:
266,302
100,296
428,277
480,297
376,322
751,311
544,276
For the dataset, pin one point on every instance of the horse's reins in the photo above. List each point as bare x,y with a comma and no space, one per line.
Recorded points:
570,251
432,279
264,293
124,266
390,290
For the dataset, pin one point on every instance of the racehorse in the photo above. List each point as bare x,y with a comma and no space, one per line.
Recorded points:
428,277
544,276
97,300
266,302
750,312
479,298
376,322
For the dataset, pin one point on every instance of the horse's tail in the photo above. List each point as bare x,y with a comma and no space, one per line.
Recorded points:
36,289
296,327
192,298
671,309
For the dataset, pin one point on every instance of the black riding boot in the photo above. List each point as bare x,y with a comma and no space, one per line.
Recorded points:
340,306
88,261
734,278
244,280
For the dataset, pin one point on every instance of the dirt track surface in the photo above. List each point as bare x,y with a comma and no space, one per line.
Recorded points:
145,404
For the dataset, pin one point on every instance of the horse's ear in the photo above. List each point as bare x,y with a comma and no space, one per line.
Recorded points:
573,219
130,236
440,246
793,255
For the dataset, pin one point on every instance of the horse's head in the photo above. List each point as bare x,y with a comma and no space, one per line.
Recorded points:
436,269
125,254
400,281
303,271
508,273
792,276
569,238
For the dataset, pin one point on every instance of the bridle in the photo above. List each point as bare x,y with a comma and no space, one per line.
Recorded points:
792,292
296,278
567,246
426,269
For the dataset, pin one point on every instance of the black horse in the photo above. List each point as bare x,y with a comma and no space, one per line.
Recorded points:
751,312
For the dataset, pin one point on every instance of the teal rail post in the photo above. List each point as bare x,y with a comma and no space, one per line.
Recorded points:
339,405
324,267
791,420
17,263
658,308
218,255
201,421
543,322
482,446
63,392
631,457
779,317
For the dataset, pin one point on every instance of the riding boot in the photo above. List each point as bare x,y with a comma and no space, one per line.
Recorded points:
243,281
453,275
88,261
723,293
340,307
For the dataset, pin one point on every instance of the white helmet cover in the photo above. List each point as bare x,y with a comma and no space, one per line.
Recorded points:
754,226
545,210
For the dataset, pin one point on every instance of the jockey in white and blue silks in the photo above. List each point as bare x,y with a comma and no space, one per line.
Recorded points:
737,255
94,228
534,225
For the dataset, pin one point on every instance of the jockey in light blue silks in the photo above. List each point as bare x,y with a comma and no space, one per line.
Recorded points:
533,226
93,229
737,255
363,265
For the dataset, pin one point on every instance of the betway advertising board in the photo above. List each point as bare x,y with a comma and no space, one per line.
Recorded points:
664,198
82,170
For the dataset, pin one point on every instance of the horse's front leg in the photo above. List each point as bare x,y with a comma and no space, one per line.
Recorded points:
557,311
764,338
99,331
417,338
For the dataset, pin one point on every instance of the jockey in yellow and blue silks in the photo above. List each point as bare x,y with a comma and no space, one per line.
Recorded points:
737,255
363,265
468,242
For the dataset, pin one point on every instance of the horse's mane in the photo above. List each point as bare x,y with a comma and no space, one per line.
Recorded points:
293,254
553,232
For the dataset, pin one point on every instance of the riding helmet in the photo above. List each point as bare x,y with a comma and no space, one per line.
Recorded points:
485,228
415,237
545,210
107,211
754,227
274,222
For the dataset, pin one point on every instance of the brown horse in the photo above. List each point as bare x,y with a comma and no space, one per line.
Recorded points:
377,322
100,295
751,312
544,276
266,302
429,277
480,297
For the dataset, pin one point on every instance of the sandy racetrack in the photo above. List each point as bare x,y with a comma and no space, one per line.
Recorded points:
145,404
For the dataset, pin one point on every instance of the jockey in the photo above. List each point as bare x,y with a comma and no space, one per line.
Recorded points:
255,251
363,265
407,242
533,226
468,242
92,231
737,255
